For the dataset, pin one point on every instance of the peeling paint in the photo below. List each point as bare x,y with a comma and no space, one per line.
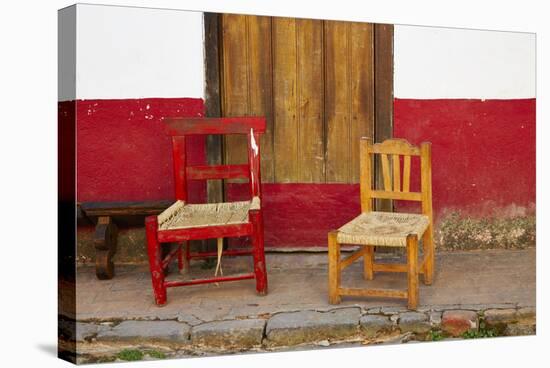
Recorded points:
253,142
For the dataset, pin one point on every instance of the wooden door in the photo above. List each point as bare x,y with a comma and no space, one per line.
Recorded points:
314,82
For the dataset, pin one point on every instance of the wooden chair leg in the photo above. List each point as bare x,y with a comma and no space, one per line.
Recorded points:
180,258
412,271
155,260
333,268
258,252
183,258
429,256
368,263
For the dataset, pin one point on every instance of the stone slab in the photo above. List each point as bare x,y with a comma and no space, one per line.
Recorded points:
170,332
86,331
286,329
372,325
495,317
457,322
414,322
245,333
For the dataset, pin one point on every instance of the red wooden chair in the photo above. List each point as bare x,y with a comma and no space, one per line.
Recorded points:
182,222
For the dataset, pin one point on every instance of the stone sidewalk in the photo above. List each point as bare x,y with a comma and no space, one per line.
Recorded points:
490,289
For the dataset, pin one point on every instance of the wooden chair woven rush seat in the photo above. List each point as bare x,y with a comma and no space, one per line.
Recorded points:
388,229
182,222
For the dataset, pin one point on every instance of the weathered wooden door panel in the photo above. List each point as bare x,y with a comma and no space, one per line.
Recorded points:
284,98
349,96
246,82
235,82
297,90
313,80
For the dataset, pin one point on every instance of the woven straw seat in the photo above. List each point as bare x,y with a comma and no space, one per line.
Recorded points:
383,229
185,216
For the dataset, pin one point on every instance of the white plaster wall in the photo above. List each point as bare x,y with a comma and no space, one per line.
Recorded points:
432,62
125,52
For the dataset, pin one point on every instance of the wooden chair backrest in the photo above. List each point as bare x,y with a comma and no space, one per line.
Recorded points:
179,128
399,187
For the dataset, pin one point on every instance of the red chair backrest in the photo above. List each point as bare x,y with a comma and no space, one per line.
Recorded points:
179,128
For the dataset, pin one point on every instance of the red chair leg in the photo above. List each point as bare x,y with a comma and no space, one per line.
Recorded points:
258,252
155,260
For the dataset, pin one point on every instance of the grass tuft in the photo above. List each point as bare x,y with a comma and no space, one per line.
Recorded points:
130,355
482,332
156,354
435,335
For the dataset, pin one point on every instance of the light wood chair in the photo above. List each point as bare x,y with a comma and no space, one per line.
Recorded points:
387,229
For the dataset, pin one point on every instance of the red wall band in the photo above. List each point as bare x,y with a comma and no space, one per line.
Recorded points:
483,162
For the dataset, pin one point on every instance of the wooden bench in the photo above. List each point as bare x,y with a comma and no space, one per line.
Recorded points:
106,216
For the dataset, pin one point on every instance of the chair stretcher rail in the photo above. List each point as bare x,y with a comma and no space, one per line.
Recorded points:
230,252
209,281
373,292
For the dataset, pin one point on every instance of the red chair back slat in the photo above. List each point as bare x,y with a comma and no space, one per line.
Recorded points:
218,172
198,126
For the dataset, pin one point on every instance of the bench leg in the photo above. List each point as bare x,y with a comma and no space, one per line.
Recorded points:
368,263
258,254
412,271
155,260
333,268
105,242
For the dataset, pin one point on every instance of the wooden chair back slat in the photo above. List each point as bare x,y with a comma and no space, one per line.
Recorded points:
391,146
396,173
406,173
382,194
365,177
386,171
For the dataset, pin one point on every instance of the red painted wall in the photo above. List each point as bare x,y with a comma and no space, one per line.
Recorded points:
301,215
123,153
483,152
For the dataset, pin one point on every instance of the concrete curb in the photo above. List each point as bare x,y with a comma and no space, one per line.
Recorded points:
288,330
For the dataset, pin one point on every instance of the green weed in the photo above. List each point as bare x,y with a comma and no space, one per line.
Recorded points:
130,355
